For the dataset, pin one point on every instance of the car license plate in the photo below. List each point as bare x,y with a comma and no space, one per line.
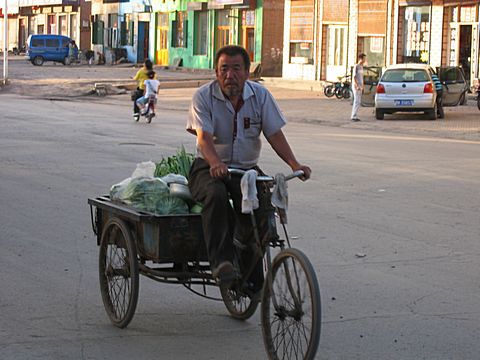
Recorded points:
403,102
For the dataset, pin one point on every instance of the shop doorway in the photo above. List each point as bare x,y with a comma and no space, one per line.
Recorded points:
161,57
336,52
142,49
465,50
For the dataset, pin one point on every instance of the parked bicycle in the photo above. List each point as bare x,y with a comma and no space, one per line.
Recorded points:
340,89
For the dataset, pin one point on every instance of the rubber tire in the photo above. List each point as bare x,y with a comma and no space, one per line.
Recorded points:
478,100
38,61
267,311
432,114
347,93
379,115
149,118
241,309
129,268
339,93
329,91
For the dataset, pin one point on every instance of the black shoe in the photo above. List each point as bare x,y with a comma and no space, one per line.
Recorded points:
355,119
224,274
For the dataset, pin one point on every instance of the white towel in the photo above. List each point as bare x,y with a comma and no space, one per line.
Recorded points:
280,197
248,185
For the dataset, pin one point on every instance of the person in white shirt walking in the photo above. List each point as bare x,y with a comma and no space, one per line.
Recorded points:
357,86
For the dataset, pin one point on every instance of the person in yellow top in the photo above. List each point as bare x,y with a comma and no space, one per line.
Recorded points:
140,77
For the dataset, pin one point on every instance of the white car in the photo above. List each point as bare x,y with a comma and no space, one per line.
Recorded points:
409,88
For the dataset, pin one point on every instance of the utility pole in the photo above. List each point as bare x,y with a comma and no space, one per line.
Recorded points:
5,44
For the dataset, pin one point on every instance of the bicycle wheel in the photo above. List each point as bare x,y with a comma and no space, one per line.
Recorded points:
339,92
329,91
238,304
346,92
291,308
118,270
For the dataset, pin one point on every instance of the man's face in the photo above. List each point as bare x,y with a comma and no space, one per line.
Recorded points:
231,74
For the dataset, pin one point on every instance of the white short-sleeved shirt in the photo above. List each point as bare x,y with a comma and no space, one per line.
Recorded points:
211,112
151,86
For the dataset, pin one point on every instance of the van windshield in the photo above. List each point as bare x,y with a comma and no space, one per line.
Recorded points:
405,75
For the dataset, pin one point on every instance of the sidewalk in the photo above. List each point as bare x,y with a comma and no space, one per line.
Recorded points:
301,101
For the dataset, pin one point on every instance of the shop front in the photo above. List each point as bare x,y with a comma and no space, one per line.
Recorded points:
461,24
299,40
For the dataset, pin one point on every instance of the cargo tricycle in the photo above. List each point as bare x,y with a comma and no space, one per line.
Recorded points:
171,249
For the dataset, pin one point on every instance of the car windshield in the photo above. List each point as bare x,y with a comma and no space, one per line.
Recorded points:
405,75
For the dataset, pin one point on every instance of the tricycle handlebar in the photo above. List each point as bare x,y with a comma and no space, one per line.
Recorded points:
295,174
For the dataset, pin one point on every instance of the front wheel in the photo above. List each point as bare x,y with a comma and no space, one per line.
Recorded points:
339,92
291,308
347,92
38,60
478,100
118,270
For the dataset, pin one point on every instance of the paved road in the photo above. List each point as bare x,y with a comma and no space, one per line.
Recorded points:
295,98
409,204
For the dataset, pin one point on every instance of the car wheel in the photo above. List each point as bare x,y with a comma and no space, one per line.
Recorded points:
432,114
38,60
379,115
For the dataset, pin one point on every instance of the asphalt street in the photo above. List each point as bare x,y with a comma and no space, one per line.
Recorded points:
390,222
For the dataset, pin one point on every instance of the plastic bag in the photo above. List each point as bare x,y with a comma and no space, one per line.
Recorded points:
175,178
143,169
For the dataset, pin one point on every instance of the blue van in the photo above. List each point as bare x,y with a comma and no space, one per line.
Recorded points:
41,48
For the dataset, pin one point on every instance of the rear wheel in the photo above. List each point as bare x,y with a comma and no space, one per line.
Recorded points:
118,272
478,100
379,115
432,113
38,60
347,92
339,92
329,91
291,308
238,304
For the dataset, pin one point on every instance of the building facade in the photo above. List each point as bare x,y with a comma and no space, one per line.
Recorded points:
322,38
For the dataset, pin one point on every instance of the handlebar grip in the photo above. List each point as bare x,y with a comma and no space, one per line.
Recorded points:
295,174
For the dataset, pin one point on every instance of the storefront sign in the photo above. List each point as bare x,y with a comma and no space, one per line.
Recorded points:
248,18
144,17
194,6
68,8
57,9
376,44
46,10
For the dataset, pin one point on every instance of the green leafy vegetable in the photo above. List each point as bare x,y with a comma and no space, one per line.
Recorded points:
177,164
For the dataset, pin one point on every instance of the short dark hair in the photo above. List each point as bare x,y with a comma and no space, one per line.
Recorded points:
148,64
151,74
233,50
362,56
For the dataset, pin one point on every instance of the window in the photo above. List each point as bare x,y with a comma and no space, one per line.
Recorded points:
53,43
38,42
223,28
337,49
73,26
126,31
301,31
62,24
97,32
201,32
417,34
179,30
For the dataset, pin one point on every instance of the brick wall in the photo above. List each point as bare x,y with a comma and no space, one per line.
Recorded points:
272,37
335,11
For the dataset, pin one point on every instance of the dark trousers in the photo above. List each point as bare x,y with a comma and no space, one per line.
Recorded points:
138,95
439,101
221,222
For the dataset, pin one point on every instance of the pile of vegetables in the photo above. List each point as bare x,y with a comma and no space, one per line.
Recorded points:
177,164
151,193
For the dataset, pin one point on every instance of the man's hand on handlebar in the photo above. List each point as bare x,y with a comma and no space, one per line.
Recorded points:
306,171
218,170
